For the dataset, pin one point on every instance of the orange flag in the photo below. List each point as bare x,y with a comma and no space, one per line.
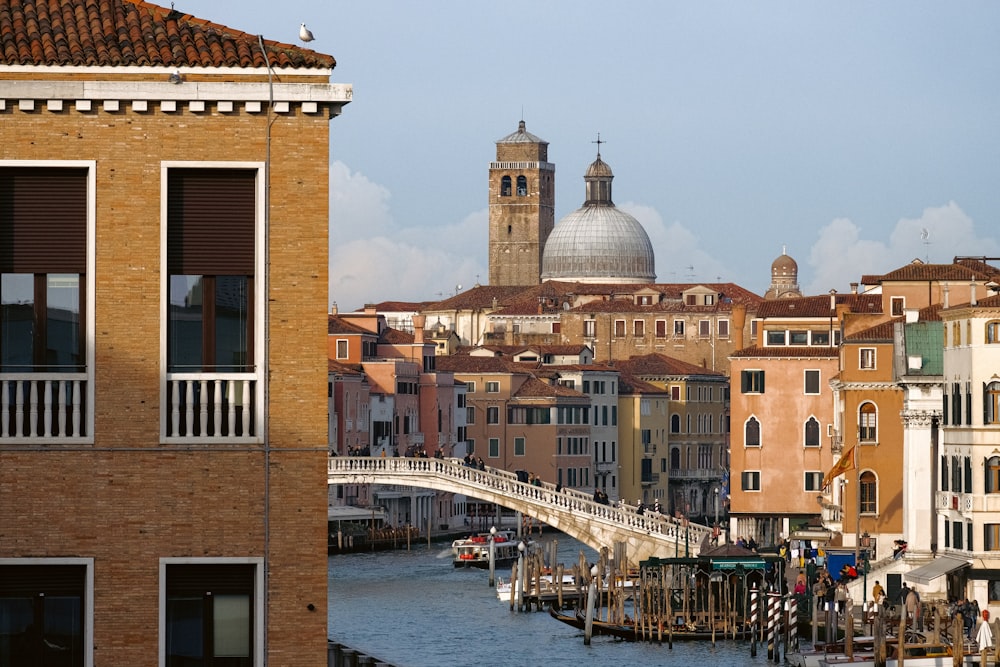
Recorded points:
845,463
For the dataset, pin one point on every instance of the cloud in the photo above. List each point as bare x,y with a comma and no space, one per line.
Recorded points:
841,255
374,259
679,256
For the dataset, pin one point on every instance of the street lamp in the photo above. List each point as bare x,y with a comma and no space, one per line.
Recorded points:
716,491
866,542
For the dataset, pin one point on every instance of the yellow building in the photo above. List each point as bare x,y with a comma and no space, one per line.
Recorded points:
163,426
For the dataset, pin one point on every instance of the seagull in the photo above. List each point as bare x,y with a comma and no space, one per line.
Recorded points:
304,34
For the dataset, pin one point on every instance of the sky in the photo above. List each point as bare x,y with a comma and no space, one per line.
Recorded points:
840,131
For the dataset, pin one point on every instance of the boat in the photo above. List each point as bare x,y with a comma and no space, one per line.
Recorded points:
917,655
549,591
474,551
631,631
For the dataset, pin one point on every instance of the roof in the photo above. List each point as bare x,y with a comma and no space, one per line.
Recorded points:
630,384
535,388
792,352
880,333
521,136
337,325
396,337
925,340
470,364
122,33
819,306
661,364
962,269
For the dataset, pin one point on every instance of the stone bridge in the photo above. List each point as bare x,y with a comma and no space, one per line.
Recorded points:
570,511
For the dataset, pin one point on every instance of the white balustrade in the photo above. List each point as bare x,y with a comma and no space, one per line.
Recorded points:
42,407
216,406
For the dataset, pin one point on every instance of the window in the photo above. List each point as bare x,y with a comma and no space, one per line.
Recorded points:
751,433
993,332
470,387
492,387
470,415
867,358
750,480
518,446
813,481
992,469
675,393
775,338
638,328
619,328
869,493
991,539
678,328
51,598
212,615
675,459
589,328
43,288
342,349
493,415
752,382
723,328
704,328
522,186
798,337
211,323
812,382
494,448
812,433
898,303
675,423
991,403
505,186
661,328
867,422
819,338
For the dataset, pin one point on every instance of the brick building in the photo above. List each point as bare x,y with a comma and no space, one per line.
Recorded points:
163,251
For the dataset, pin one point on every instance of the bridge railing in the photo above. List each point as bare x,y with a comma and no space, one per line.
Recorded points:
507,484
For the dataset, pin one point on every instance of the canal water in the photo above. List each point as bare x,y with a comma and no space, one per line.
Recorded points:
414,609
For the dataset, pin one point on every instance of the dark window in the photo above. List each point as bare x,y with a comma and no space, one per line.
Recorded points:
493,415
211,221
675,423
812,433
812,382
42,611
750,480
752,433
869,493
867,423
209,615
991,538
505,186
752,382
661,328
991,403
944,473
42,284
522,186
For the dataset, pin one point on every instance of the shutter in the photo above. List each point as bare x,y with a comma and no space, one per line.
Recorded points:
744,381
211,219
761,388
986,405
37,205
199,579
32,580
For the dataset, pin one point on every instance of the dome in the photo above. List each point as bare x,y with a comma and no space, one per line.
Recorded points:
784,266
599,243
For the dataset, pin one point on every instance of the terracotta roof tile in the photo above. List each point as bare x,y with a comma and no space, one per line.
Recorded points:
961,269
630,384
880,333
337,325
819,306
396,337
777,352
133,32
661,364
535,388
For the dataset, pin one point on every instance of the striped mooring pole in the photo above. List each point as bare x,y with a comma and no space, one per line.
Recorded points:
754,620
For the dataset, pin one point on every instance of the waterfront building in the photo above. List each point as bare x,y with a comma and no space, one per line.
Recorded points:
696,455
643,421
162,427
967,524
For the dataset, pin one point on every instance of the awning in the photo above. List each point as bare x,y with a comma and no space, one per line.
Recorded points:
925,574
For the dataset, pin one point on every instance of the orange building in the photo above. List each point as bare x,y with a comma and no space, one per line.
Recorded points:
163,428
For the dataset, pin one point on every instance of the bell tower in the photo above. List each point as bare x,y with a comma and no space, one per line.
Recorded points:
522,208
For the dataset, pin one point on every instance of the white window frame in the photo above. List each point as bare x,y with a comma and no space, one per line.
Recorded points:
347,350
90,326
260,299
754,477
867,358
258,600
493,387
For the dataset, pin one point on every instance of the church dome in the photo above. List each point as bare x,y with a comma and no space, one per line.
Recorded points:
598,243
784,266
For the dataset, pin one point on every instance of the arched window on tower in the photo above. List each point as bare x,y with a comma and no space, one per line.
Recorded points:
522,186
505,186
869,493
812,432
992,469
751,432
991,403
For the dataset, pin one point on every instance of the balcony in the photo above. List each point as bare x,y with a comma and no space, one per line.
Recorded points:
44,408
216,406
650,479
697,473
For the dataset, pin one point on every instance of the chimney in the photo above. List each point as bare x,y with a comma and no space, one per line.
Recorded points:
739,314
418,328
972,292
833,300
854,288
333,308
370,309
944,295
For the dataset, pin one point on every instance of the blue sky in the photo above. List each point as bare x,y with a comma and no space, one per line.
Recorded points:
840,130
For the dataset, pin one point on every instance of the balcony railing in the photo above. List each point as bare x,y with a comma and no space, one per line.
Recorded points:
212,405
43,407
